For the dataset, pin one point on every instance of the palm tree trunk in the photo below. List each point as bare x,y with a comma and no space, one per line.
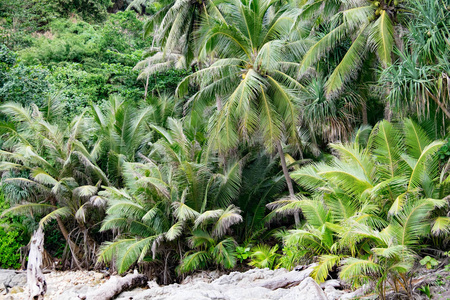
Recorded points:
388,112
440,104
72,246
288,179
146,85
364,113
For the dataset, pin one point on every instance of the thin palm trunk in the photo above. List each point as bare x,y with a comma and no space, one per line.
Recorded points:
146,85
440,104
288,179
72,246
364,113
388,112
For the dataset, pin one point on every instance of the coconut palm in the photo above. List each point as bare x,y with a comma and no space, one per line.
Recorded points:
335,117
163,203
369,24
212,247
392,254
252,80
52,172
122,131
174,24
173,28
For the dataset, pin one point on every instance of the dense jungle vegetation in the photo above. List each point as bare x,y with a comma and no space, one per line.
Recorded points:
173,136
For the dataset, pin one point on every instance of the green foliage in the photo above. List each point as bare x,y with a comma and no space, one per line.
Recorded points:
292,256
242,253
79,41
90,129
10,244
370,207
90,10
264,256
429,262
12,238
20,83
444,151
426,290
439,280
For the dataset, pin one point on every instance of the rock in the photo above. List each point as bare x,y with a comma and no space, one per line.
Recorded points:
16,290
332,282
252,293
307,290
72,293
356,294
98,276
287,280
15,279
249,277
332,293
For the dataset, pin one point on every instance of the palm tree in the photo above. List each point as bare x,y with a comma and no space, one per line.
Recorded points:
252,81
174,23
52,172
120,134
162,204
366,196
369,24
212,246
173,28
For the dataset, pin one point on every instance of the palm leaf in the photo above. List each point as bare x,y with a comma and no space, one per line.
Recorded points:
60,212
382,37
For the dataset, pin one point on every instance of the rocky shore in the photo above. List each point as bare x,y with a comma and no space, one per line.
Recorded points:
257,284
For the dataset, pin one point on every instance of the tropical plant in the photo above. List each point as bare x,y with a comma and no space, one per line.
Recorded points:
264,256
252,82
370,206
172,27
429,262
368,24
48,171
121,134
214,247
242,253
419,80
165,203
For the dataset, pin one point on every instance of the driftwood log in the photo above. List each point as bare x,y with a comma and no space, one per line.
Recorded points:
37,286
115,286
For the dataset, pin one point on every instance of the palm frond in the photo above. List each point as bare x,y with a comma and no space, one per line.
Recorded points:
382,37
60,212
326,263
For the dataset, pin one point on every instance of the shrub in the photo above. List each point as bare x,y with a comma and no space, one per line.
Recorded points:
10,244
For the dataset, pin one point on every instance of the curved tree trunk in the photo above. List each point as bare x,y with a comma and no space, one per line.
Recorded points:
288,179
440,104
